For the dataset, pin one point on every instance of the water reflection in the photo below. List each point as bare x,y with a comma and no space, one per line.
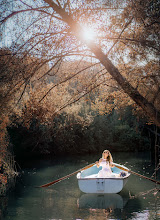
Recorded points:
101,201
65,201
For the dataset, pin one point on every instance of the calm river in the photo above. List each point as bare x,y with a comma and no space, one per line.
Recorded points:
65,201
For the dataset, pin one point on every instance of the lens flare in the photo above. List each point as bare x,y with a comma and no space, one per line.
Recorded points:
88,34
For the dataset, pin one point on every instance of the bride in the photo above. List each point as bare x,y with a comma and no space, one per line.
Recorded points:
106,162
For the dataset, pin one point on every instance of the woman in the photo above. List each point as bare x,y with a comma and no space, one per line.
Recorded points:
106,162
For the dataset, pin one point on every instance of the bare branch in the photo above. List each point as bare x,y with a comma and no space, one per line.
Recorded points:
26,10
47,73
65,80
70,102
126,25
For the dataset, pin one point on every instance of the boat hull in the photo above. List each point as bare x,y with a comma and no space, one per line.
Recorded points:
89,183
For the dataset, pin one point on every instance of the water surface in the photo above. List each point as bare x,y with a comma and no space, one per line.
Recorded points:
64,200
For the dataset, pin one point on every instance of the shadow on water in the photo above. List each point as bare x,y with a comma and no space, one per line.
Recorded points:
65,201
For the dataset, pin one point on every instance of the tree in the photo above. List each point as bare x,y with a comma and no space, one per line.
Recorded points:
127,35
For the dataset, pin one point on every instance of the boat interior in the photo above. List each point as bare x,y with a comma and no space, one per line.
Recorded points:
92,172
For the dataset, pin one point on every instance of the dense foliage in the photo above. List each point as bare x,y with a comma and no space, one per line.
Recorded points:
118,131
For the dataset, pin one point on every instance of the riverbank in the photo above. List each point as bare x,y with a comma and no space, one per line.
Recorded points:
8,172
8,175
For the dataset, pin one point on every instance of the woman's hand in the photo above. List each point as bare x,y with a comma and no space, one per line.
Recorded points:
97,163
112,165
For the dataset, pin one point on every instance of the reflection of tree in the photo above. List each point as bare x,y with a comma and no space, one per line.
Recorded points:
3,205
103,213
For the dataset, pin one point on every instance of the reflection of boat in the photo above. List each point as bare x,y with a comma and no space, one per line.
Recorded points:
89,182
101,201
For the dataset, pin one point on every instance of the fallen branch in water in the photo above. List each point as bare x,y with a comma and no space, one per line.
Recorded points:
154,190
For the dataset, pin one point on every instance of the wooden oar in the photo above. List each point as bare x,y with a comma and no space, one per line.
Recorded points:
137,174
65,177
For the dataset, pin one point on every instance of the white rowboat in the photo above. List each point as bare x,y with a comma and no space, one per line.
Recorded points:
89,182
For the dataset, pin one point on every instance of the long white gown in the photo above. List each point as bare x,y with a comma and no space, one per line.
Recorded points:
106,170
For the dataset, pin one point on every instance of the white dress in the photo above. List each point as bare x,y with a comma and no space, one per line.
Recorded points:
106,170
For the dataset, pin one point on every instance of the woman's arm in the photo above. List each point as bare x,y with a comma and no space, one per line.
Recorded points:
98,163
111,164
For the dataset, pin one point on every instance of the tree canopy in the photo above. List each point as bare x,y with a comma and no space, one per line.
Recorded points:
122,53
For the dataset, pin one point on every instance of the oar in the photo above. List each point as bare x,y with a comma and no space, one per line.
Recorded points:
65,177
137,174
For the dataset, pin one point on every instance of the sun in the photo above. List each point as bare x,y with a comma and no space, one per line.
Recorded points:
88,34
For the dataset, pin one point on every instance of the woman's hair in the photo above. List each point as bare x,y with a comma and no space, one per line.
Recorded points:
109,158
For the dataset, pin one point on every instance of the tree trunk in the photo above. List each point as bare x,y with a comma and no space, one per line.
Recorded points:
147,107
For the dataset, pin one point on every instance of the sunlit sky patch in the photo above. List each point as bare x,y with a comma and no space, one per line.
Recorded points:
88,34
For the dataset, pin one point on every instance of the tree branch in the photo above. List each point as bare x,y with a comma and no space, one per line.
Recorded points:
26,10
65,80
